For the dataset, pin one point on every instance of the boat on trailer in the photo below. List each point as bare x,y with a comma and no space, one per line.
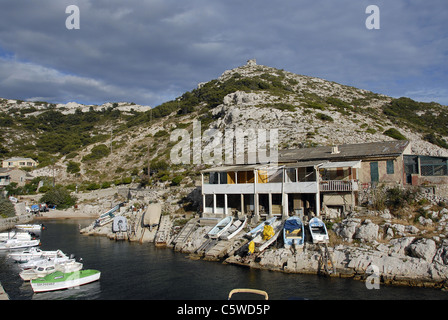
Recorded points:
64,280
318,231
220,228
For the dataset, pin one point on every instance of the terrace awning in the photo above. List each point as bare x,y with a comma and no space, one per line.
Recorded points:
341,164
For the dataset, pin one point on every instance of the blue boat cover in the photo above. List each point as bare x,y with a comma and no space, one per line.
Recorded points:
292,224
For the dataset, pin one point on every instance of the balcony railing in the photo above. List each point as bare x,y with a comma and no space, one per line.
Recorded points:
338,185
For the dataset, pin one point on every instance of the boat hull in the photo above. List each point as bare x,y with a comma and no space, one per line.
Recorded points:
318,231
220,228
29,227
16,244
258,229
60,281
293,232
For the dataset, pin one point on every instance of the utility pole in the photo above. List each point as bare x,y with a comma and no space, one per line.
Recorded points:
111,130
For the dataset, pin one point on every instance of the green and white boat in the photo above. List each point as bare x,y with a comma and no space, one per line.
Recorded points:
59,280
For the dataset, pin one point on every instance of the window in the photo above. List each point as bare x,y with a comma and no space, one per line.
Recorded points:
431,166
390,166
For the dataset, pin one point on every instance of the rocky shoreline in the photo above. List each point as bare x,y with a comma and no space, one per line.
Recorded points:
406,260
367,245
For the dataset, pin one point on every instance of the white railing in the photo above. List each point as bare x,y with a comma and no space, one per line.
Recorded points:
338,185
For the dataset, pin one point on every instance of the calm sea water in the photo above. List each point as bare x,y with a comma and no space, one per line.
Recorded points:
132,271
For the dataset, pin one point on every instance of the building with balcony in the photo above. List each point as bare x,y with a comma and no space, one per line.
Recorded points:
306,180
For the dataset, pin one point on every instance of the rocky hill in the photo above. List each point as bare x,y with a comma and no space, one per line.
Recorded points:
114,143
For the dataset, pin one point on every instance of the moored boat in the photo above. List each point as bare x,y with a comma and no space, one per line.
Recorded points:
220,227
64,280
30,227
61,257
33,253
293,232
48,267
15,235
18,244
318,230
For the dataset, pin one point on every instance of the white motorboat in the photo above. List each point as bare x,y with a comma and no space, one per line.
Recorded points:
37,271
34,253
30,227
38,261
12,244
220,227
49,267
14,235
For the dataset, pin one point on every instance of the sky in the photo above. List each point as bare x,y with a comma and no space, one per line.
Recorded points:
152,51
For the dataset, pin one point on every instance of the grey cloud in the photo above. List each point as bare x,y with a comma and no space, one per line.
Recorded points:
152,51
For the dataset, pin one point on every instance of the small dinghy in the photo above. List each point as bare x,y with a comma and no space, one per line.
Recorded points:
220,228
234,229
318,230
259,229
293,232
266,236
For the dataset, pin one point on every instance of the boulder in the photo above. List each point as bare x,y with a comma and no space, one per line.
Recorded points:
346,228
423,249
368,231
398,246
441,255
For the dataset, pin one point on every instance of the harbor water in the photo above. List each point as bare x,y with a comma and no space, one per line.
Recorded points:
133,271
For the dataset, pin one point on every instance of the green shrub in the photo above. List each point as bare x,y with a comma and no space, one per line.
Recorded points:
324,117
6,208
176,180
73,167
59,196
394,133
397,198
98,152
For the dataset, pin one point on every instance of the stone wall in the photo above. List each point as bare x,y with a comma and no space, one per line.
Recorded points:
9,223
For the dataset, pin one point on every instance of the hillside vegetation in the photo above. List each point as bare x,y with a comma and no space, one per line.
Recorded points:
98,146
